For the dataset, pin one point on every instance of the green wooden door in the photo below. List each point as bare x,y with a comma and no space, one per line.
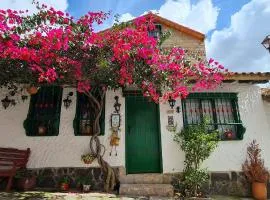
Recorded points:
143,153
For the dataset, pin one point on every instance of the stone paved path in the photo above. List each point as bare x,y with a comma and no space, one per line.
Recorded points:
88,196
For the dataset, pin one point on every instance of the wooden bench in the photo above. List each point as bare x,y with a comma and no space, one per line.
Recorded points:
10,161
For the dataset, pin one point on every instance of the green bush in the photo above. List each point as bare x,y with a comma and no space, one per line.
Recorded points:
198,143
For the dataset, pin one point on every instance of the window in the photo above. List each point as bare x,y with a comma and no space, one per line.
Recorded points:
44,112
156,32
220,108
85,117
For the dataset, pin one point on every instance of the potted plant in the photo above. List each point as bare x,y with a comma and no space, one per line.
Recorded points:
24,180
88,158
255,171
198,143
228,134
64,183
84,183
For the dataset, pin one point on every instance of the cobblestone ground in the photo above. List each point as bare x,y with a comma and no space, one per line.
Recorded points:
88,196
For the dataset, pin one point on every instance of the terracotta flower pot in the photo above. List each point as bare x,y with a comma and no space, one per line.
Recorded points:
27,183
64,186
259,191
88,162
32,90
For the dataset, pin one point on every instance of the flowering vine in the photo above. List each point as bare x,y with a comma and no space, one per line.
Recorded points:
56,49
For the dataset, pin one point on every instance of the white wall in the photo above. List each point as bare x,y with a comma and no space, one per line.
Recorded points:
267,110
65,149
229,155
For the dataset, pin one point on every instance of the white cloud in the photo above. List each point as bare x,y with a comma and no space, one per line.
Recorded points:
27,4
201,16
238,46
126,17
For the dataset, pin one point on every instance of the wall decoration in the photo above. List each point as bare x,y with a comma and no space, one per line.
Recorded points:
170,121
115,121
114,141
115,126
171,125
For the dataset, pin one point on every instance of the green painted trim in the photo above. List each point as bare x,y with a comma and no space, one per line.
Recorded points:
213,96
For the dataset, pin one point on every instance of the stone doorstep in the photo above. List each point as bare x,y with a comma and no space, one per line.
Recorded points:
145,179
162,190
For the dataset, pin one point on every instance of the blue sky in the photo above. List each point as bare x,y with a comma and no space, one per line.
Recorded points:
234,28
137,7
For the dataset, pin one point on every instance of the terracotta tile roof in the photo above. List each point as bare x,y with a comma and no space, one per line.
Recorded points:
171,24
177,26
254,77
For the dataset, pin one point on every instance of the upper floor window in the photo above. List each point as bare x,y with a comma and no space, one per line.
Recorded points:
44,112
85,116
220,108
156,32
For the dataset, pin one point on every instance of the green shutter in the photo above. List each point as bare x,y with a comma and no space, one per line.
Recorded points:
84,117
44,111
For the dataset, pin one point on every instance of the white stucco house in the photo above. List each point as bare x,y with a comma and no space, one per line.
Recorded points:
146,140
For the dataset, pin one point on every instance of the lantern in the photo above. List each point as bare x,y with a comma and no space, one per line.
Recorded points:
67,101
116,105
171,102
266,42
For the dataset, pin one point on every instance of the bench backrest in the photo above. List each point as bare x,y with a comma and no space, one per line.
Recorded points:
16,156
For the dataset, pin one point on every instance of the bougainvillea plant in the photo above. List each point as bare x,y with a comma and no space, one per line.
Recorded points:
51,47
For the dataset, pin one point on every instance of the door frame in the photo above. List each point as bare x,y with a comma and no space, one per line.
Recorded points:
159,136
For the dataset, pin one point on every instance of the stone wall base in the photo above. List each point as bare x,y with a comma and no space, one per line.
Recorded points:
226,183
220,183
51,177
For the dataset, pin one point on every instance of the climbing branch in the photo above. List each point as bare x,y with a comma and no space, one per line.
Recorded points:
95,145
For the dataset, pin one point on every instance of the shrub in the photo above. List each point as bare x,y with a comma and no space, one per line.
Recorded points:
253,167
197,143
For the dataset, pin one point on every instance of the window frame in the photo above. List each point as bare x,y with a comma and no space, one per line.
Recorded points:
156,30
76,121
36,116
213,97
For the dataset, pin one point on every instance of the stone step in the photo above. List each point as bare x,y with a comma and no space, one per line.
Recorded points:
145,179
162,190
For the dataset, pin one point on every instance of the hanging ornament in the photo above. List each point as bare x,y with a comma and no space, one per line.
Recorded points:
114,141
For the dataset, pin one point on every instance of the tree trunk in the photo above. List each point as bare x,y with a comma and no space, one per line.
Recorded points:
110,177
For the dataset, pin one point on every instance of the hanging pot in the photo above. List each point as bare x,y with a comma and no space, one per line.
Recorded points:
32,90
259,191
